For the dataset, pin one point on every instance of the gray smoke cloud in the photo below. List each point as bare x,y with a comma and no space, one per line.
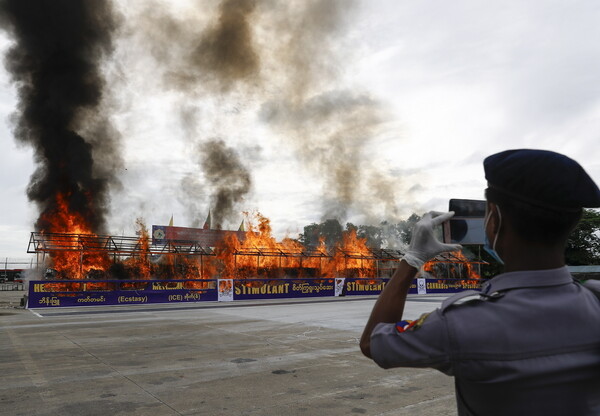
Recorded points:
282,62
217,58
330,133
226,53
203,59
192,193
331,127
222,179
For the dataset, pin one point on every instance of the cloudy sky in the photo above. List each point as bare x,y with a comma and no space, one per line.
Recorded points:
419,91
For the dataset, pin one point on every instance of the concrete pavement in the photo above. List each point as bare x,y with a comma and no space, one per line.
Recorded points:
245,358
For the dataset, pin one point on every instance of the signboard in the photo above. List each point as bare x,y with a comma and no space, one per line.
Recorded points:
433,286
225,290
357,286
284,288
339,286
162,234
43,294
361,286
421,286
60,293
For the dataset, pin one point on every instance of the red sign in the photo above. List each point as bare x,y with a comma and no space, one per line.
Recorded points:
206,238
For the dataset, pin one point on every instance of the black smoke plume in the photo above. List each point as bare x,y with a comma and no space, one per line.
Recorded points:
226,51
218,57
55,66
227,177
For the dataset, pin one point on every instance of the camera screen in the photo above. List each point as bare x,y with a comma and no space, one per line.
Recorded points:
466,227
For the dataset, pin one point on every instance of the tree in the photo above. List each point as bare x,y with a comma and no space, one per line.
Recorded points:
329,230
372,234
332,231
397,236
583,246
310,237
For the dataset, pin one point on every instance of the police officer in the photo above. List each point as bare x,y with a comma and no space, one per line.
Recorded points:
529,342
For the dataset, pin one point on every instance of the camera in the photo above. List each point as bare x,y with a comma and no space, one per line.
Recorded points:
467,225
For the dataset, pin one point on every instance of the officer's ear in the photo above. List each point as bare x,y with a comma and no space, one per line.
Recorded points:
494,217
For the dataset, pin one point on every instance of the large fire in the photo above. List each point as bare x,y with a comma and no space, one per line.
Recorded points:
457,267
260,255
76,261
79,254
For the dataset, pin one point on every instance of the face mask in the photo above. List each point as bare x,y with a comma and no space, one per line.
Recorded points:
491,248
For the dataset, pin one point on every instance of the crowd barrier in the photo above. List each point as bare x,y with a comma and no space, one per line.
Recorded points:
68,293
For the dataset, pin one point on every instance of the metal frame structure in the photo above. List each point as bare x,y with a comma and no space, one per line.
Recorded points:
122,246
114,245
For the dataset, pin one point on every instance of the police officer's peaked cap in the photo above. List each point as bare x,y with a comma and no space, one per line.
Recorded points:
543,178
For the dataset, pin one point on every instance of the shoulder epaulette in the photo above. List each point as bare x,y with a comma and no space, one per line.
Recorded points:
593,286
454,299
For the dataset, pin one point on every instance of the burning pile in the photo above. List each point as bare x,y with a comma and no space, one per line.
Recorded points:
258,255
77,264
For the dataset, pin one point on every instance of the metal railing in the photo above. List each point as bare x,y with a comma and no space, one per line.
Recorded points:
10,286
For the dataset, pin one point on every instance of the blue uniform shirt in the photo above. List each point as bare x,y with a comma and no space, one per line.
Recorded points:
528,345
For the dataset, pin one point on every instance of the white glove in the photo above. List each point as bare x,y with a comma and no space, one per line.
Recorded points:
423,244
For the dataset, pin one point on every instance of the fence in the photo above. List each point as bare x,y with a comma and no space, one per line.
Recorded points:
10,286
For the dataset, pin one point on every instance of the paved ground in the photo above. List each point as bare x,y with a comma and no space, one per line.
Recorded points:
247,358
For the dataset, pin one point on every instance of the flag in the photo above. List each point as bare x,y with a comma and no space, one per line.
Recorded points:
242,228
207,225
171,222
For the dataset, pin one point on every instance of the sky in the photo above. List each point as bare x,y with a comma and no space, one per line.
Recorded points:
422,92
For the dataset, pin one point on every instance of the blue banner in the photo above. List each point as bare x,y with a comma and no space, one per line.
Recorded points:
433,286
60,293
362,286
358,287
43,294
284,288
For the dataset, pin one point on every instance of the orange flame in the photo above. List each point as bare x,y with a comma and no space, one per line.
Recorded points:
140,264
351,258
257,255
73,264
463,267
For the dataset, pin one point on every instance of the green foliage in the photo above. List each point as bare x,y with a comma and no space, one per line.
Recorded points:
583,246
377,236
330,230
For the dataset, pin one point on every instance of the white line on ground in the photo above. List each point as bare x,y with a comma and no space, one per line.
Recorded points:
35,313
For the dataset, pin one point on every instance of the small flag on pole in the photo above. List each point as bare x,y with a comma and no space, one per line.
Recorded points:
207,225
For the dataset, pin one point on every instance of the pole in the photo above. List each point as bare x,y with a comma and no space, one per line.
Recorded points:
201,264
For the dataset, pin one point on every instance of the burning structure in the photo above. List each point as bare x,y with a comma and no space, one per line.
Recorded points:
238,255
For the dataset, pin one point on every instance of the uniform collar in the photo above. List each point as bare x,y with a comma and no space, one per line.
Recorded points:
529,278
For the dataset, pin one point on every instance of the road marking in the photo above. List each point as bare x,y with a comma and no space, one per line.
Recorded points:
35,313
